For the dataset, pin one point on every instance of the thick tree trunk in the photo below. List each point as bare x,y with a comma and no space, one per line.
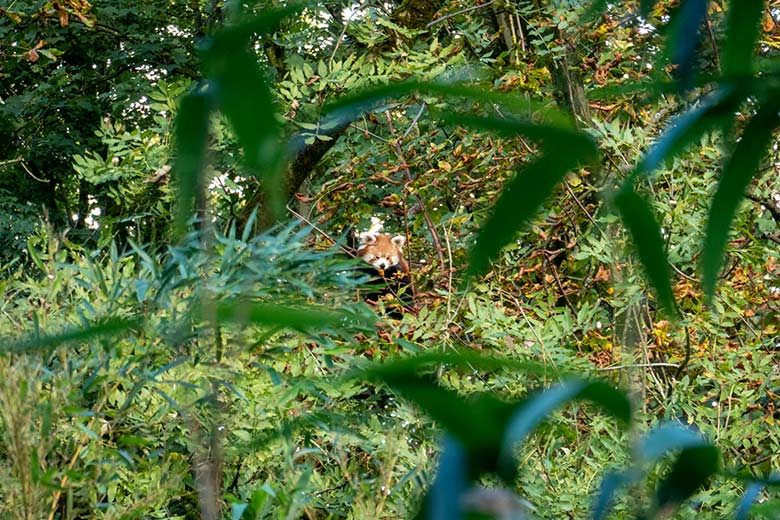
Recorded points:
299,170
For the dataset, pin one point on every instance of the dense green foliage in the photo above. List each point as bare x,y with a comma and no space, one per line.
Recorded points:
184,337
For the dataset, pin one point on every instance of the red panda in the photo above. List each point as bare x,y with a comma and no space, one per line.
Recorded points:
384,253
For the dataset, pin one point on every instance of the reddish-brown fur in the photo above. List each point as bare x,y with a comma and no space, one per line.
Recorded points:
383,252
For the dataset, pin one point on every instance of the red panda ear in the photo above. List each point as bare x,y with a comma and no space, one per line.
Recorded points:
368,237
399,241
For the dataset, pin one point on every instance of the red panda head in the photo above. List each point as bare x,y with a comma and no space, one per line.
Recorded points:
382,251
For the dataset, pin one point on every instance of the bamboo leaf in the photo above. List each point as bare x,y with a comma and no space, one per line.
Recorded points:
304,318
742,28
40,343
684,35
646,235
716,110
692,469
444,498
523,196
191,141
538,407
738,171
243,95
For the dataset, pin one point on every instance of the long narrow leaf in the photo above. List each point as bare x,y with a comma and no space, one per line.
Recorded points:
35,344
523,196
466,360
243,95
354,104
692,469
444,498
192,122
297,318
737,53
739,170
717,109
659,442
610,485
684,36
666,438
476,422
646,235
752,492
538,407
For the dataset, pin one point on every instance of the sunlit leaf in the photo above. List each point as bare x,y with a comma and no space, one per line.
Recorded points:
191,141
742,29
640,222
738,171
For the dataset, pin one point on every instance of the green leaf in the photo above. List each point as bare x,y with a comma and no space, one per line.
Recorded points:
656,444
443,501
107,327
191,141
684,27
752,492
666,438
612,482
738,171
537,408
692,469
297,318
646,235
524,195
465,360
242,94
716,110
353,105
645,6
742,28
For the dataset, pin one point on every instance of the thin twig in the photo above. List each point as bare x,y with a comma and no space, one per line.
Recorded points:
449,272
428,222
638,365
369,132
31,174
456,13
573,196
714,43
341,38
682,274
414,121
12,161
321,232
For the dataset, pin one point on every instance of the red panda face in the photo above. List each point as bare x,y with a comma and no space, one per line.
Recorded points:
381,250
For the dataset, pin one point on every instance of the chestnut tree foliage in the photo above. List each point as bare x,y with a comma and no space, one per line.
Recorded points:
591,201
